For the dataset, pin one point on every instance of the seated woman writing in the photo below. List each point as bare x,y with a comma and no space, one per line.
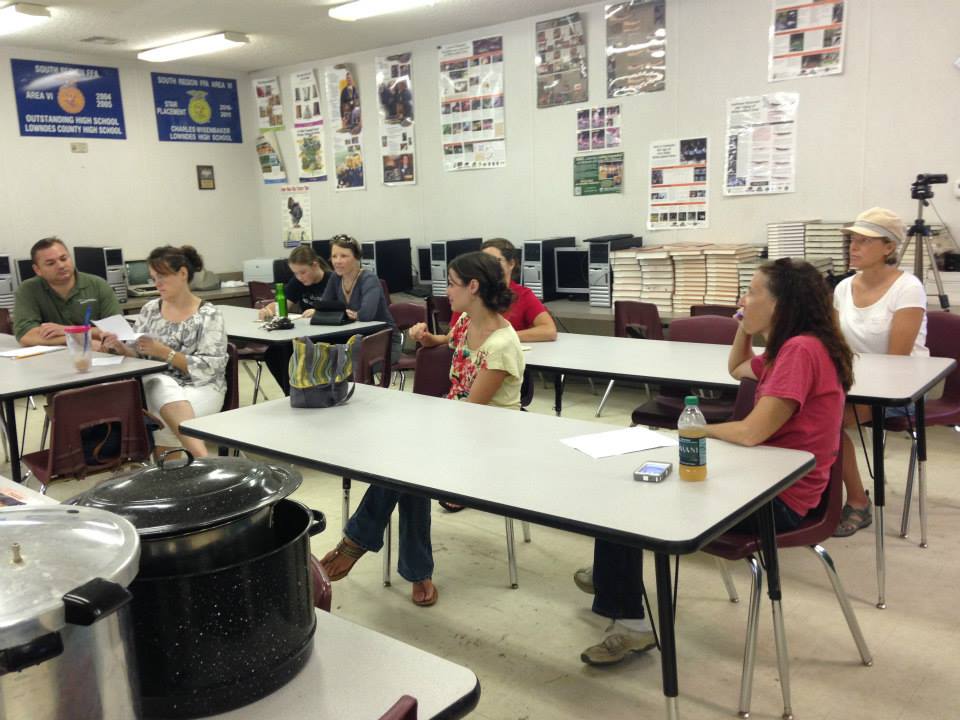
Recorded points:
304,292
486,369
803,378
189,335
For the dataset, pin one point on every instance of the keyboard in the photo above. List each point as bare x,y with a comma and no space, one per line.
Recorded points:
143,291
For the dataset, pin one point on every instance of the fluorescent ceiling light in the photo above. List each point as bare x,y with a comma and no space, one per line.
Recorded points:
197,46
21,16
362,9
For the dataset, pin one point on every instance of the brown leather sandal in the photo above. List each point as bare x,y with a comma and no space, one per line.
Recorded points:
344,549
429,600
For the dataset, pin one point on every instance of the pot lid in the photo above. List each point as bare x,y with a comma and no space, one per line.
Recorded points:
48,551
183,496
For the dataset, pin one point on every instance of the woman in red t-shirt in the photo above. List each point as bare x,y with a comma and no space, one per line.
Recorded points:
803,378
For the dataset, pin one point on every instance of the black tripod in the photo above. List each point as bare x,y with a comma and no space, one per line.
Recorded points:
919,233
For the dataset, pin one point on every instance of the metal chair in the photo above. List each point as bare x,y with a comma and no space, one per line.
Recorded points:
261,295
724,310
406,316
637,320
816,527
117,407
943,340
231,398
666,406
432,377
385,289
439,314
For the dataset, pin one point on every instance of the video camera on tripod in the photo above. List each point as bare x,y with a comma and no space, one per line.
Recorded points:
921,191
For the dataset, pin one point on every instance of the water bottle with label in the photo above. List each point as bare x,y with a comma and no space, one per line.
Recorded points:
692,429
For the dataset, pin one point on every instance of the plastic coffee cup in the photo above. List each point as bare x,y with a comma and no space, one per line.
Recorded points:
80,346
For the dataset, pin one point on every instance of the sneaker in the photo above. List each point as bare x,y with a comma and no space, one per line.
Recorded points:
854,519
617,646
584,580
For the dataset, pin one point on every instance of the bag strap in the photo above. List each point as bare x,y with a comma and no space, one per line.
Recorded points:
353,347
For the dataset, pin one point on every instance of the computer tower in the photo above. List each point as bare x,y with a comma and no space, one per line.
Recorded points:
441,253
424,272
390,260
106,263
601,272
539,268
8,282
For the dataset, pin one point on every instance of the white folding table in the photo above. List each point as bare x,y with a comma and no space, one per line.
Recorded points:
243,324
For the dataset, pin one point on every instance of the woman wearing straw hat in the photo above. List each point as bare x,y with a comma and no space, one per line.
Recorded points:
882,310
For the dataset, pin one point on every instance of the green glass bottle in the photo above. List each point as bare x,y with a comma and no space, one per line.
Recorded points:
281,298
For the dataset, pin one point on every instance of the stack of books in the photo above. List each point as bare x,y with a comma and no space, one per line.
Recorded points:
745,271
785,239
822,264
723,272
656,268
824,240
689,276
627,277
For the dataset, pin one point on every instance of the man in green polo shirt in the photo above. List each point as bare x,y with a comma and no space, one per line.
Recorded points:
58,297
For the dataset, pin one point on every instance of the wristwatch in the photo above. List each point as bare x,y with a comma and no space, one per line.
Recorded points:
170,356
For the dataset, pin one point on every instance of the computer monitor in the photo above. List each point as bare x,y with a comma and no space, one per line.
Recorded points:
572,271
25,269
138,273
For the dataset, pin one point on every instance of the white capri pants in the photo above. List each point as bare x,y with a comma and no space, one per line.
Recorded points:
161,389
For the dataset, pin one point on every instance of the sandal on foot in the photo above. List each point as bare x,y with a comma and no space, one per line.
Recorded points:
854,519
429,600
450,507
343,549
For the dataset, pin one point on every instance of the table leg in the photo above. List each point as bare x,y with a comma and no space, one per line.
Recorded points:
558,393
878,502
10,421
668,646
920,417
768,540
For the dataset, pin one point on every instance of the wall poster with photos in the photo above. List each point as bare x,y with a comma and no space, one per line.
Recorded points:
343,109
678,184
295,215
395,99
308,126
471,104
268,155
761,144
636,47
269,103
598,174
598,128
806,40
561,61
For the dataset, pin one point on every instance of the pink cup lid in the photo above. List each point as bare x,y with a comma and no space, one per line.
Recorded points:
77,329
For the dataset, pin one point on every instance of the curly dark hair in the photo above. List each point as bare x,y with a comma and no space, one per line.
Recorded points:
483,268
805,307
169,259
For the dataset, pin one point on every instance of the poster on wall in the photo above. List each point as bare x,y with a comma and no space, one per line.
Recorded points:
308,126
598,128
343,109
561,61
63,100
806,40
678,184
268,155
471,104
295,214
761,144
636,47
191,108
395,94
269,104
598,174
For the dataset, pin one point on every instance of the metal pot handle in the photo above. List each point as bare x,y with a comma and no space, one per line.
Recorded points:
93,601
319,523
163,457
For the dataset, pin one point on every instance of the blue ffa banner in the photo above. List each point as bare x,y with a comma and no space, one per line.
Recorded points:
64,100
196,109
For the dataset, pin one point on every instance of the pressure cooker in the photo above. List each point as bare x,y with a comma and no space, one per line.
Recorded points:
65,629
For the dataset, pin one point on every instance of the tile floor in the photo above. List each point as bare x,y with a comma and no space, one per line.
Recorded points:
524,644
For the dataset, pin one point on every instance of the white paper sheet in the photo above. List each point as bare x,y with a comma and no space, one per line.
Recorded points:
619,442
25,352
104,361
119,326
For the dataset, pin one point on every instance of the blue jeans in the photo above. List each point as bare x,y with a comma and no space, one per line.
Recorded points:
618,569
368,522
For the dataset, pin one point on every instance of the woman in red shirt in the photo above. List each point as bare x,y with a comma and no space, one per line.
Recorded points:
803,376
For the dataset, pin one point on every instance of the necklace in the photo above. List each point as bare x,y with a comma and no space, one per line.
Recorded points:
347,289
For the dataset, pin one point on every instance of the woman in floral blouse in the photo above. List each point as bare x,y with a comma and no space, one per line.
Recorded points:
487,369
186,332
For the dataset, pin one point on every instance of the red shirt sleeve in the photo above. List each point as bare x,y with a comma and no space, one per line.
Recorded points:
793,373
525,308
